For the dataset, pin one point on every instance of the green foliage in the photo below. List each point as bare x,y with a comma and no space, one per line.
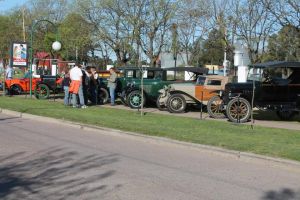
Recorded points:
285,45
76,33
266,141
10,31
213,48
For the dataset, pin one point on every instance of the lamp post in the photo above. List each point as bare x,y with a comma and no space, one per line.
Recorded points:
56,46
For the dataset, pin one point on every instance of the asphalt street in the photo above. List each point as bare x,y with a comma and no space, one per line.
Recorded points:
45,160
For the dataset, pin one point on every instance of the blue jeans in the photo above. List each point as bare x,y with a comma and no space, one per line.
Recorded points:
67,96
112,95
81,98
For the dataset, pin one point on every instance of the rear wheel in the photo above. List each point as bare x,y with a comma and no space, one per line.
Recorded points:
215,107
286,114
238,110
176,103
135,99
16,89
42,91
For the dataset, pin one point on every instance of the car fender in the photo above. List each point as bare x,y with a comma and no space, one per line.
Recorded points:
188,98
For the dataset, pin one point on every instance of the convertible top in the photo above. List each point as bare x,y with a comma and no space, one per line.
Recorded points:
275,64
196,70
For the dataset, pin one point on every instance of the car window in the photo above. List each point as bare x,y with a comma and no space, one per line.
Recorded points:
201,80
214,82
129,74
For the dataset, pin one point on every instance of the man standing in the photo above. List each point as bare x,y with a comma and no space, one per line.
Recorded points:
76,86
9,76
9,72
112,83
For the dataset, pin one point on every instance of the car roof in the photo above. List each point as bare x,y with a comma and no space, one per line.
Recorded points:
277,64
196,70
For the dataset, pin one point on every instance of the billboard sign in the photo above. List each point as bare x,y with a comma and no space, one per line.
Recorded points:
19,54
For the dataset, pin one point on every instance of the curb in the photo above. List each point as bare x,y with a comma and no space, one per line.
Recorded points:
209,149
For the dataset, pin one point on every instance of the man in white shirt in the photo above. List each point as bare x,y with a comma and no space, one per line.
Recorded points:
76,75
9,73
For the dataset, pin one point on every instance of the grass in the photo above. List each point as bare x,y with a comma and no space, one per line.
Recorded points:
266,141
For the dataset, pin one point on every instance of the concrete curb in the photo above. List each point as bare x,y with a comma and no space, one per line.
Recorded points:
209,149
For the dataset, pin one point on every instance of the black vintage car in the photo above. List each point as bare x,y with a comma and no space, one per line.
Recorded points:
270,86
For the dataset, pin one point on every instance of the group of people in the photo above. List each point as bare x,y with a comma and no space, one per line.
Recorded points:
78,83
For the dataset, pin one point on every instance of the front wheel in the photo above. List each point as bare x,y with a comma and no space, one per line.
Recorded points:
176,103
215,107
135,99
238,110
42,91
103,96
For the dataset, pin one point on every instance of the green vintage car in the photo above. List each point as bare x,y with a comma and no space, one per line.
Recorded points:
131,90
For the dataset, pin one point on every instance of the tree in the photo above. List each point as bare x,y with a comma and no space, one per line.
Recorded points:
253,24
286,12
213,48
10,31
76,36
191,23
285,45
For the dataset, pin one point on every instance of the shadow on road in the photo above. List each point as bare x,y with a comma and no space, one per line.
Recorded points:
55,173
283,194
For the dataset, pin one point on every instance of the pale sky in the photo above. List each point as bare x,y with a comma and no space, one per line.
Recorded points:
6,5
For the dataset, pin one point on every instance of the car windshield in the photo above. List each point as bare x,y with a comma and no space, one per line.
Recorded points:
259,74
255,74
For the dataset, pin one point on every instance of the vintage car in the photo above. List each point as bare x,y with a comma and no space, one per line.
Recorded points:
271,86
176,96
20,85
47,83
129,87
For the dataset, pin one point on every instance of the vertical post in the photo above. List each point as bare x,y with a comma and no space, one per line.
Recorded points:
30,59
23,18
201,111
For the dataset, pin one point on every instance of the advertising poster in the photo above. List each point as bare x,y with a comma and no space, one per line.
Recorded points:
19,54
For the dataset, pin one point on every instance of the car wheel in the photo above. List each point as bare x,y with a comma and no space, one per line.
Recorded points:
16,89
160,106
103,96
42,91
286,114
238,110
176,103
134,99
215,107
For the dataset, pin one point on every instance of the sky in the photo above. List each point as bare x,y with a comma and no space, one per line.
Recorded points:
6,5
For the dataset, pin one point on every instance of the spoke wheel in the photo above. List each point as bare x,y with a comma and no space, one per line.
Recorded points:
176,103
42,91
103,96
215,107
238,110
134,99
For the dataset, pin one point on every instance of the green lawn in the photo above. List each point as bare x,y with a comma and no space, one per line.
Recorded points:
267,141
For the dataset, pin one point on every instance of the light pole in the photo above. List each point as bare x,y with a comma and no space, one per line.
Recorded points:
56,46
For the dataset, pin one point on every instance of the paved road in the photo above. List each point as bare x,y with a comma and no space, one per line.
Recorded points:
40,161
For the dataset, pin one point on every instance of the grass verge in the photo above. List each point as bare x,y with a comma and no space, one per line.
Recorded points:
266,141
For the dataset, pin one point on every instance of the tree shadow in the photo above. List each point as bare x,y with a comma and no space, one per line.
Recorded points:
283,194
57,173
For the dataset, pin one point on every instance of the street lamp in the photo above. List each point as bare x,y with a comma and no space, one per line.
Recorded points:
56,46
